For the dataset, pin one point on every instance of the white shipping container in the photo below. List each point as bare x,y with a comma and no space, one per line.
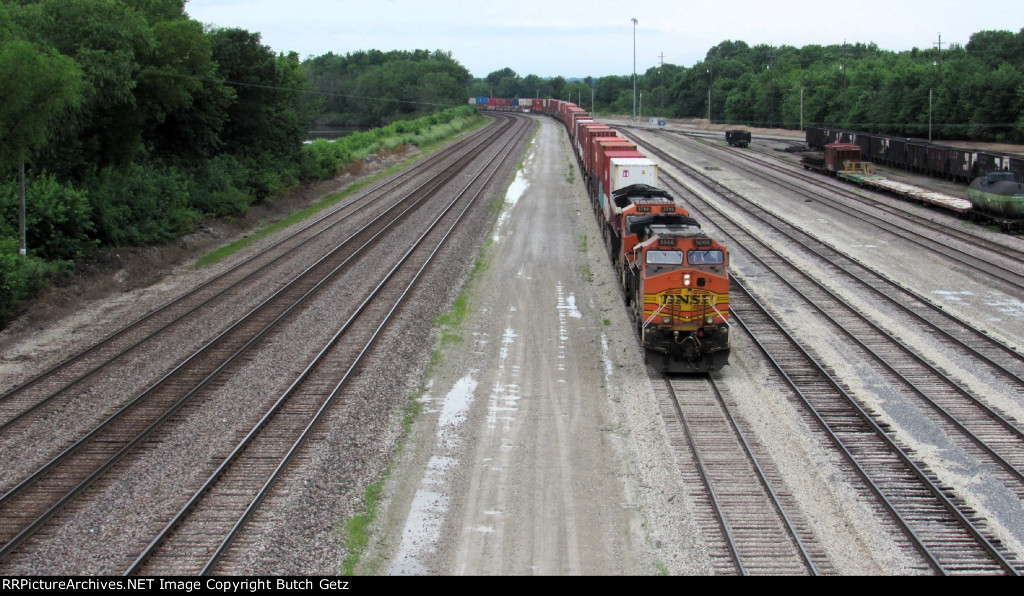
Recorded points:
623,172
627,171
579,137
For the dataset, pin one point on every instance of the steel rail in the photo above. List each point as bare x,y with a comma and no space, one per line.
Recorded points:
705,477
217,475
1007,425
42,377
904,231
776,501
8,547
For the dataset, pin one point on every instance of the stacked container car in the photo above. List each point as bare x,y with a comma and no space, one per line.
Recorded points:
600,148
590,132
673,275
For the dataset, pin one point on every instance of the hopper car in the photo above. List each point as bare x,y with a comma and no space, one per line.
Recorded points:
984,200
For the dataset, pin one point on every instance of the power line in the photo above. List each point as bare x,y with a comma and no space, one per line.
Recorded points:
279,88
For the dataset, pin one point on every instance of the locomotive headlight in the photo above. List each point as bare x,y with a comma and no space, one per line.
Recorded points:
666,320
686,279
709,320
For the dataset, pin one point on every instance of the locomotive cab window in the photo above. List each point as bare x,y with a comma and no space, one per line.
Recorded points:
664,257
705,257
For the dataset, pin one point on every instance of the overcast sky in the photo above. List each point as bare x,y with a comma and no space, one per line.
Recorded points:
578,38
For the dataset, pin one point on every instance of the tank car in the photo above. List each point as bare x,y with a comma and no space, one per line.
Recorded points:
1000,196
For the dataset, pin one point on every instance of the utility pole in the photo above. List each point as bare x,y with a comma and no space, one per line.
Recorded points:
661,71
929,115
844,83
711,81
634,68
801,109
771,94
939,44
21,206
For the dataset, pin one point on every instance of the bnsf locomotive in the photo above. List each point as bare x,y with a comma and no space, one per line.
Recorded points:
674,277
678,287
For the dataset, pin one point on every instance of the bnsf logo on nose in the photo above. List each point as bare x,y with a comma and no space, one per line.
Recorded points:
677,299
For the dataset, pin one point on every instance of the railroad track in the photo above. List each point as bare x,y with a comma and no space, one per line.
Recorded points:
70,477
999,261
65,380
949,397
194,541
977,428
753,525
991,354
949,536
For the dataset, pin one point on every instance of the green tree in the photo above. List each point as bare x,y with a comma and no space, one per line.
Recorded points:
105,38
39,88
366,89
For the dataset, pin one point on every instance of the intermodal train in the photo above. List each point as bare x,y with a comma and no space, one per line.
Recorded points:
996,194
674,277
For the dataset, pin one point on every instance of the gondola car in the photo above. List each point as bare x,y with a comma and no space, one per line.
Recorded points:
737,138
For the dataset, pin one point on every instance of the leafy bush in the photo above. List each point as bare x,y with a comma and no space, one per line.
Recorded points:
58,222
321,159
220,188
136,204
20,277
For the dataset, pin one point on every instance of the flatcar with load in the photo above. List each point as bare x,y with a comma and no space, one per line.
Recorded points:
968,166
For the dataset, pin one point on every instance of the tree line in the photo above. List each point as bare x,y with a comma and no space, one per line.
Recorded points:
969,92
130,121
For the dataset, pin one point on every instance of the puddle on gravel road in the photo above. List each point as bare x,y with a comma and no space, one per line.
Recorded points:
606,355
430,504
516,190
566,308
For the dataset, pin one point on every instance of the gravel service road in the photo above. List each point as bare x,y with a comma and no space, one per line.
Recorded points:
520,463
